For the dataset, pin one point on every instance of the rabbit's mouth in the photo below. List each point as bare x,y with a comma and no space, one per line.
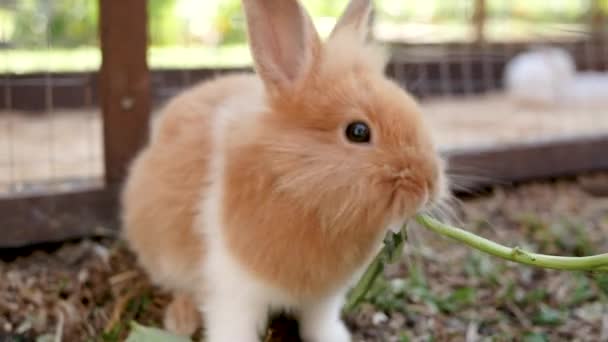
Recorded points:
414,191
408,196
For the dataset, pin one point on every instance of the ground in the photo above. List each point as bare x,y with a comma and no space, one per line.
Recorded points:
90,290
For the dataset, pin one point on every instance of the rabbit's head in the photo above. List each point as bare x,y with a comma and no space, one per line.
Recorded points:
340,138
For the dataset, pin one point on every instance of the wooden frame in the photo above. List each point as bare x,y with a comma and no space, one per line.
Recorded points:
57,217
479,20
125,82
125,97
598,19
522,162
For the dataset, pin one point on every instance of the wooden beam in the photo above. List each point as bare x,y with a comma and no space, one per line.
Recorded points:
522,162
46,218
479,20
597,18
125,82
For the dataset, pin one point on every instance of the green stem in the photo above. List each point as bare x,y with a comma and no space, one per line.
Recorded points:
589,263
390,252
394,242
365,283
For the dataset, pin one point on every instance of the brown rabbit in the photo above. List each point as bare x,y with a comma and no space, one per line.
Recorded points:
273,191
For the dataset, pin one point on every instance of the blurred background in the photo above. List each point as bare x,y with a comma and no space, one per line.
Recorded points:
516,92
451,54
213,31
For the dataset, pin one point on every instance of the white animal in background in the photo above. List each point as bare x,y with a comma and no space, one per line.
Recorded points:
547,77
540,77
588,89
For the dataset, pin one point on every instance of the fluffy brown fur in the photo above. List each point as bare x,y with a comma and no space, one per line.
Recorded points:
302,209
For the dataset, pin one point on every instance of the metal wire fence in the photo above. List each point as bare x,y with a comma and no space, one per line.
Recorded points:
44,147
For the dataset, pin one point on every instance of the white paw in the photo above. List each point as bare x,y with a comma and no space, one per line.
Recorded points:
331,332
182,317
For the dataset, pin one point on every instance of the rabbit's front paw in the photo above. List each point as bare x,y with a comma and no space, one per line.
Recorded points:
320,322
334,332
181,316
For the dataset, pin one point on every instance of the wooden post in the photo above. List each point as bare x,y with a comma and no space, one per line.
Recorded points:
125,82
598,19
479,20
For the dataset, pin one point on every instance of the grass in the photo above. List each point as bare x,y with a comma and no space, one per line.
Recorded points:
89,58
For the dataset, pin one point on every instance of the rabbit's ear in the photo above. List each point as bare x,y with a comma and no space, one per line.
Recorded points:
356,18
283,41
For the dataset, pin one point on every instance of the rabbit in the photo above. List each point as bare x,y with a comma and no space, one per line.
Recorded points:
588,89
540,78
272,190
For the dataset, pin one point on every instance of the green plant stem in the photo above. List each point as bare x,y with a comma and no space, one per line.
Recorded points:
365,283
590,263
394,242
390,252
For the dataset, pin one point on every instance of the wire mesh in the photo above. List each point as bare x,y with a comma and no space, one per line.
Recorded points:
51,128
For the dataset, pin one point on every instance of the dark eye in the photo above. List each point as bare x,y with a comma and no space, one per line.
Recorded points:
358,132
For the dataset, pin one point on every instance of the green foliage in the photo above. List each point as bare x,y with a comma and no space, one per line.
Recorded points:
140,333
480,266
163,27
65,23
70,23
229,22
324,8
535,337
539,10
582,292
230,25
548,316
601,279
396,294
6,25
113,335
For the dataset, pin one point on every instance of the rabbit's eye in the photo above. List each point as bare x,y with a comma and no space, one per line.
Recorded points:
358,132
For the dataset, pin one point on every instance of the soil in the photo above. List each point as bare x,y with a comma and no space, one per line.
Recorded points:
90,290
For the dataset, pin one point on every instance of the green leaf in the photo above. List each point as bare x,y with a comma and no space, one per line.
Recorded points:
601,280
458,299
548,316
404,338
582,292
536,337
140,333
534,296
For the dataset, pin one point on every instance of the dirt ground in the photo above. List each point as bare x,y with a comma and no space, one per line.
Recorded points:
441,291
48,148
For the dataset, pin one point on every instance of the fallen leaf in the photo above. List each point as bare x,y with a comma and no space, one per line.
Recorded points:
140,333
